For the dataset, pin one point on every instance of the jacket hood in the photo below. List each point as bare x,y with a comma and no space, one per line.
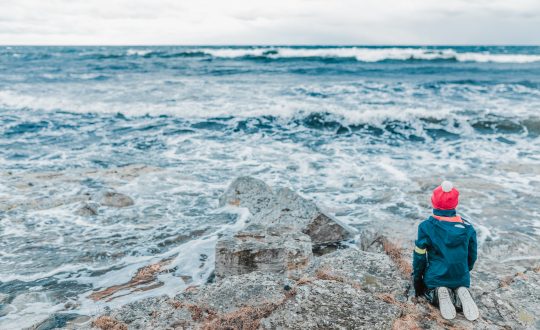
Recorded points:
452,233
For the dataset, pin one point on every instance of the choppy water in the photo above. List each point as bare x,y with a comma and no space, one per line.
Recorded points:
366,132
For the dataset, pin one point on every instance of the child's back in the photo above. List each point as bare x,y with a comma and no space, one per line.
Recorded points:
445,253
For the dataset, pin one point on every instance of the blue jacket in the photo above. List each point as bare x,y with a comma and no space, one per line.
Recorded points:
445,251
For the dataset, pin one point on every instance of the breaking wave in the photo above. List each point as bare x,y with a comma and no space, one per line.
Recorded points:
347,53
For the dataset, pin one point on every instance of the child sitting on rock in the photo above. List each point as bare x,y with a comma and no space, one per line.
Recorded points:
444,255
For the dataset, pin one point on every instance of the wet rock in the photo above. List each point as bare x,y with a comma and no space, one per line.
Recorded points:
332,305
55,321
289,209
115,199
247,192
88,209
197,307
78,322
145,279
270,251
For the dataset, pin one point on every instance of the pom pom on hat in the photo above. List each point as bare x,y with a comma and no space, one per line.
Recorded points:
445,196
447,186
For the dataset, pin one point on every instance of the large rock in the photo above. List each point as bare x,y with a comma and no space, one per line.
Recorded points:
247,192
268,250
289,209
327,304
284,208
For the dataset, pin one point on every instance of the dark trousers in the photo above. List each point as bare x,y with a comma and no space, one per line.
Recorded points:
431,296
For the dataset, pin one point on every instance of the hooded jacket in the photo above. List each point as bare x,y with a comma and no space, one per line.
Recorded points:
445,251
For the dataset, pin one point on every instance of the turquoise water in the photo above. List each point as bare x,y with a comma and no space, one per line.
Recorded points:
367,132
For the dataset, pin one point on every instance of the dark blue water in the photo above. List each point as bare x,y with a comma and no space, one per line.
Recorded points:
365,131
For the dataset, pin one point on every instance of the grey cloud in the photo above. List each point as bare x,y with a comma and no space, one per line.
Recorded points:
258,22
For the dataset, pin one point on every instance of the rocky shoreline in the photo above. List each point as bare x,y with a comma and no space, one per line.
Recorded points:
267,276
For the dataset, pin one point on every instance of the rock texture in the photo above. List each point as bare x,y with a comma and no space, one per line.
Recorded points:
289,209
375,272
320,299
281,233
516,301
247,192
327,304
262,250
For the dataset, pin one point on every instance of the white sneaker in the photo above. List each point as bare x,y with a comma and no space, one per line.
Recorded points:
469,306
448,311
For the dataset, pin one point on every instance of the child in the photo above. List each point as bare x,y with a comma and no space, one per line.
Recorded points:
444,255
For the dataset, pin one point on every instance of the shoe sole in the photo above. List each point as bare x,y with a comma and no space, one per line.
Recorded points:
448,311
469,306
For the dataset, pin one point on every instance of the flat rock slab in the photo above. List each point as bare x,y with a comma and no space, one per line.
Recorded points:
264,250
254,290
374,272
150,313
332,305
516,303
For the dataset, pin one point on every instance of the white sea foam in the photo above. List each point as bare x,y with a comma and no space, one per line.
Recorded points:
362,54
138,52
373,54
345,108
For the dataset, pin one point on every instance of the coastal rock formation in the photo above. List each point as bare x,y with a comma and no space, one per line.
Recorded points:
268,278
289,209
284,208
280,234
263,250
260,300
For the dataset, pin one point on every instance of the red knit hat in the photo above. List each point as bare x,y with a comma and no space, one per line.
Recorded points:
445,196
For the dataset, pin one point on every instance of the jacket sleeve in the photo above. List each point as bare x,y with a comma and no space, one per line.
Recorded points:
473,245
420,260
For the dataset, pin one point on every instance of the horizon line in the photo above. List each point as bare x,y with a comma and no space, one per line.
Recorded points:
271,45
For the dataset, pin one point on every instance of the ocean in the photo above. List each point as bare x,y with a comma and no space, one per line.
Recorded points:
366,132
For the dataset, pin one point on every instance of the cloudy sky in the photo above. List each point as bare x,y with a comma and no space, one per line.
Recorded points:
269,22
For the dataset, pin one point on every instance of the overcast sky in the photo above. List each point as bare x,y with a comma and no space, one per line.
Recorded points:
198,22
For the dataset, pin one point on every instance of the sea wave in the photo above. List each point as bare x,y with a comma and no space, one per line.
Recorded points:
355,53
412,125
